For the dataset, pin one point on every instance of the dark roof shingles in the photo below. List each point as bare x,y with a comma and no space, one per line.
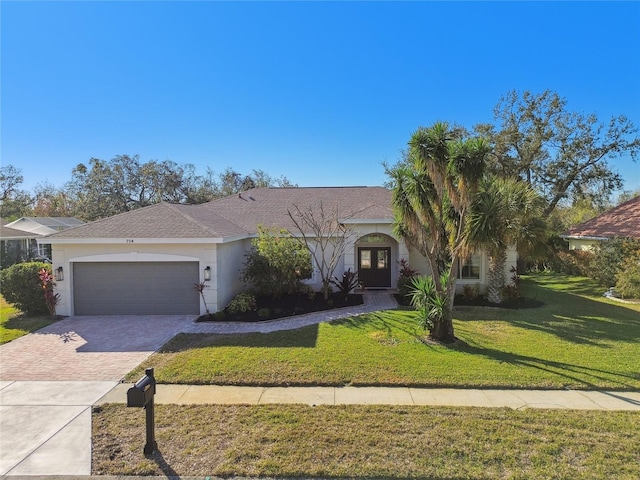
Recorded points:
237,214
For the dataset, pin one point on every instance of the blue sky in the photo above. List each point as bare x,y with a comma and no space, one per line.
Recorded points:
321,92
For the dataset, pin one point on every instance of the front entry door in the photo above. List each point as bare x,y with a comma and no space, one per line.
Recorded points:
374,268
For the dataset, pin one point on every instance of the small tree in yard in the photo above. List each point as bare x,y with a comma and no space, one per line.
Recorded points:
200,287
331,238
277,263
433,190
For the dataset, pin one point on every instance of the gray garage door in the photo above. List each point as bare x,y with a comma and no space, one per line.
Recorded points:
135,288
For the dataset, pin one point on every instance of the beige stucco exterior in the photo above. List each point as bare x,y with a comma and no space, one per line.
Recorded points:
582,243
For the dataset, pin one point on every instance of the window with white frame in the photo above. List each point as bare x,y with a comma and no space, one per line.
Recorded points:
469,268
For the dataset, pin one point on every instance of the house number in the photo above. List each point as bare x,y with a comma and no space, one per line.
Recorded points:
129,240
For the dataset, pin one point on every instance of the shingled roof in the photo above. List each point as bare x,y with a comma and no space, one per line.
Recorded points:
622,221
238,215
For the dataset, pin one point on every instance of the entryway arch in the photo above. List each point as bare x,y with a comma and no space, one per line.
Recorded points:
376,257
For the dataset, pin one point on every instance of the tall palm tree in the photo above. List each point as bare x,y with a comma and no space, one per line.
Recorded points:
503,212
432,195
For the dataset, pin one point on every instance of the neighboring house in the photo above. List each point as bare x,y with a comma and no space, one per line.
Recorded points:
622,221
147,261
19,239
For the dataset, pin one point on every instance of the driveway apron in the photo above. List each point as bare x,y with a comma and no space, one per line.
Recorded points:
50,379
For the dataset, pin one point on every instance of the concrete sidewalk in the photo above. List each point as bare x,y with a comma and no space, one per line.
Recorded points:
516,399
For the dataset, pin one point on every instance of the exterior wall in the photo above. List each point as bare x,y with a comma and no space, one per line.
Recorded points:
226,261
65,255
230,260
576,244
420,263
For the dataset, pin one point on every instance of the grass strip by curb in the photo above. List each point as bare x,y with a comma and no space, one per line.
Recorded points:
368,441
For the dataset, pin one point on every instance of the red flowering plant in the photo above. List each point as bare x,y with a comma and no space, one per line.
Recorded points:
50,298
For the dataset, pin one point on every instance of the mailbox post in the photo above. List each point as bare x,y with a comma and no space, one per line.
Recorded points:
141,395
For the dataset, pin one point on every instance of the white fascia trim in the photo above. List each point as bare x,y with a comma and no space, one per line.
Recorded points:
573,237
129,241
133,257
356,221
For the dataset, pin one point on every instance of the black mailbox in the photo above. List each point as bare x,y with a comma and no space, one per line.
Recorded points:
141,395
142,392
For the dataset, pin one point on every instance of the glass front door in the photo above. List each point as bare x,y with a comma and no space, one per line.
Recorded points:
374,267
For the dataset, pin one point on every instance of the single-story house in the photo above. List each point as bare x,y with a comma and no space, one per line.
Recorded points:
146,261
19,238
622,221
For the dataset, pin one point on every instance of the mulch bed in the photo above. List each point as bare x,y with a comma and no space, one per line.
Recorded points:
481,301
270,308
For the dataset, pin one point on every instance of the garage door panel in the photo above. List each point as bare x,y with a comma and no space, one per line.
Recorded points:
135,288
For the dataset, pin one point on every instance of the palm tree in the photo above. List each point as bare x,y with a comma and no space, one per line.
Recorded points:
504,212
432,194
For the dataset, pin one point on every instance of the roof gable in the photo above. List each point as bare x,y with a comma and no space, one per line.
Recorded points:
44,225
621,221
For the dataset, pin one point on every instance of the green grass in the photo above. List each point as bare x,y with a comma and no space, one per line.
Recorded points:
578,340
368,442
13,324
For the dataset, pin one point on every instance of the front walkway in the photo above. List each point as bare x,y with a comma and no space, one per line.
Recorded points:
373,301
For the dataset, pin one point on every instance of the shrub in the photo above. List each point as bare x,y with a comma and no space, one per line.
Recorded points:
405,278
471,292
20,285
511,291
431,306
50,299
349,282
571,262
243,302
277,263
609,257
628,279
264,313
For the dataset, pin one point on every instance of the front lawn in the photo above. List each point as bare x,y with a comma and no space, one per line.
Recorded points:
579,339
14,324
358,441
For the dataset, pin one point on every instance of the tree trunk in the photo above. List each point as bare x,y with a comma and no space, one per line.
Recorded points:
443,330
495,274
325,289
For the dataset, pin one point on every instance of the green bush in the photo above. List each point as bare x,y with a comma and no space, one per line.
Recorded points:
243,302
405,278
264,313
609,257
431,305
571,262
277,263
20,285
628,279
471,292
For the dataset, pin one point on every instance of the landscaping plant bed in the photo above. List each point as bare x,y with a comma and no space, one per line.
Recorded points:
481,301
269,308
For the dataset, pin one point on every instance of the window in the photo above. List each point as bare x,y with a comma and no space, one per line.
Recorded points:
469,268
383,259
365,259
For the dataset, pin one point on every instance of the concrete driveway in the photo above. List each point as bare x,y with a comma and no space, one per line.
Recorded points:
50,379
